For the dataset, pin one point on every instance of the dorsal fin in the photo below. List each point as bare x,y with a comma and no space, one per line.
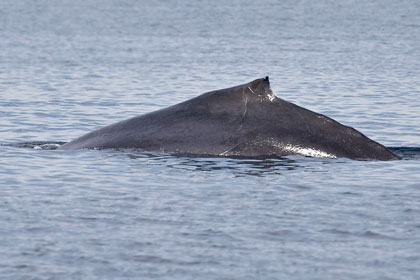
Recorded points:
261,88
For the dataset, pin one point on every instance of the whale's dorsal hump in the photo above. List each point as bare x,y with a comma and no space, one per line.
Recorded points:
260,89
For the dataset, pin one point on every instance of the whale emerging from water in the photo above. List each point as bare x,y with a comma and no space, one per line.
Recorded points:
243,121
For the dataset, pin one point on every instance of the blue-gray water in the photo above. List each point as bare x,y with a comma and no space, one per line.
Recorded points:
68,67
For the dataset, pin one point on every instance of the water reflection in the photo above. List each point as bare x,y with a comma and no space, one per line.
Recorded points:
407,153
37,145
235,166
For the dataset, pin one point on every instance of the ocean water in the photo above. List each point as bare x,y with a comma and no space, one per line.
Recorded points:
69,67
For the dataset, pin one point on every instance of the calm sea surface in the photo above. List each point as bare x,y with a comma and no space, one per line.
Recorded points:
69,67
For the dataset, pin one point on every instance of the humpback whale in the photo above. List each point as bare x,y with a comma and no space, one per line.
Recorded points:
248,120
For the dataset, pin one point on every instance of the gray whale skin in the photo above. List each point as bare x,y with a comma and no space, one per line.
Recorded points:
243,121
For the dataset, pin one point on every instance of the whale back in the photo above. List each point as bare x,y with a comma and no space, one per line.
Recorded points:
243,121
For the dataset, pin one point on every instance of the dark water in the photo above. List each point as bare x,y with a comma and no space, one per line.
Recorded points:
68,67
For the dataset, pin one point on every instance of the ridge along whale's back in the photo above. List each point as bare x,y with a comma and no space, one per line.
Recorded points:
242,121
